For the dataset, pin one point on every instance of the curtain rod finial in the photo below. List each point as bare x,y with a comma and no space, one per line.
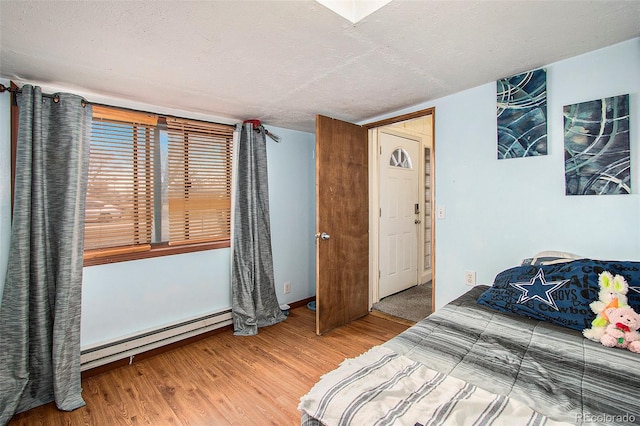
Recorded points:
4,88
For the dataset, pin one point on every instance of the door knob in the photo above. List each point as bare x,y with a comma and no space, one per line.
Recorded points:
417,221
323,236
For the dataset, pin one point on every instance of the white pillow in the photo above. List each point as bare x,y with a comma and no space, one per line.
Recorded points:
551,257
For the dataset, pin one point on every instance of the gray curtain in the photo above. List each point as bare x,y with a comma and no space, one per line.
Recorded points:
40,309
252,284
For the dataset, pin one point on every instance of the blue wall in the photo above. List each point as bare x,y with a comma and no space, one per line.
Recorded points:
501,211
292,200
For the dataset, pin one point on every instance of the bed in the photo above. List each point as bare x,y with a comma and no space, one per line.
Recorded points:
483,363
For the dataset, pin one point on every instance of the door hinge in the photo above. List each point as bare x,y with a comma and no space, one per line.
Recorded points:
380,212
380,149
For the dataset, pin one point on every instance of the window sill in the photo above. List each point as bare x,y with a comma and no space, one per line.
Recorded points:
157,250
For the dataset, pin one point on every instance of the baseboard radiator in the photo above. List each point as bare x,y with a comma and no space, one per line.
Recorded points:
98,355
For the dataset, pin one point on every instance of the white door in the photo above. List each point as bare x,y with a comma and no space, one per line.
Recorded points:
400,212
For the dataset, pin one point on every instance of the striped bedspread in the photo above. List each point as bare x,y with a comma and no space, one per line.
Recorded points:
383,388
472,365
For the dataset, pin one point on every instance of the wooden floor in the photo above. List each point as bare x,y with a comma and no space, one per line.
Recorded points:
223,379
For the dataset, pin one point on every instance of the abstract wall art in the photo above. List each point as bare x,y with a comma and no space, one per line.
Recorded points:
522,115
596,147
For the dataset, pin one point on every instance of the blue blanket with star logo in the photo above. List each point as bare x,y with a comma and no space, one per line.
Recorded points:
559,293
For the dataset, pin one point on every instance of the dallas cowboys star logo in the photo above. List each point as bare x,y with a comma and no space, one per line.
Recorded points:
539,288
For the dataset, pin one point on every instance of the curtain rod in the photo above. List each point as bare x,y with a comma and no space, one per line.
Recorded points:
257,123
4,88
56,98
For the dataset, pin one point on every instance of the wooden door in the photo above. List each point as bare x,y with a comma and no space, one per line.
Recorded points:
342,214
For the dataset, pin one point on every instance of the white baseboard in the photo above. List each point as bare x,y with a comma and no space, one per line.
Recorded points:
105,353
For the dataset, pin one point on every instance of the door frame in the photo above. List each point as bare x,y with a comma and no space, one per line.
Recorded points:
374,200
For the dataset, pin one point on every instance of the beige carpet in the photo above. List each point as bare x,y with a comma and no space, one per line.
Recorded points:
412,304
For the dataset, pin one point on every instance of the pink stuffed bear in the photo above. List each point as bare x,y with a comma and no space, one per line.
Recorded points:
621,331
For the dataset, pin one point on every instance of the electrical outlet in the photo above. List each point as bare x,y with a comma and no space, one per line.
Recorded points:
287,287
441,212
470,278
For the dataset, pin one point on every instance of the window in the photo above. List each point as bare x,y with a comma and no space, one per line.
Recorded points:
400,158
199,181
157,185
119,202
427,209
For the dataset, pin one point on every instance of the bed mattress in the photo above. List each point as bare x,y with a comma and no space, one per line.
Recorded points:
553,371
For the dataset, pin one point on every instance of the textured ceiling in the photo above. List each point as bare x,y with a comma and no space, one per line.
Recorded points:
285,61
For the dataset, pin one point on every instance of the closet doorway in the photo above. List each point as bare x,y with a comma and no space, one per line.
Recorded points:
401,211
